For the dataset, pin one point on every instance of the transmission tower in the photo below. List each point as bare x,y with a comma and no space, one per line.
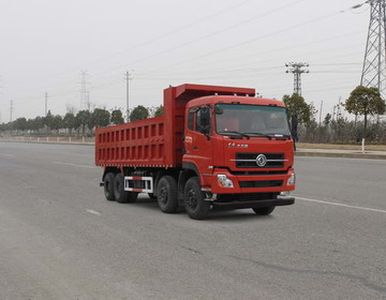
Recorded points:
374,64
297,69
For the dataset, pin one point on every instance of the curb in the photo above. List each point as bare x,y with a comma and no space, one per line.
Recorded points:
51,143
341,155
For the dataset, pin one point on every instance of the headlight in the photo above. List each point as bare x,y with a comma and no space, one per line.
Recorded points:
224,181
292,179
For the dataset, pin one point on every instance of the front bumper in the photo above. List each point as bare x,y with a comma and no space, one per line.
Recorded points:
210,183
239,204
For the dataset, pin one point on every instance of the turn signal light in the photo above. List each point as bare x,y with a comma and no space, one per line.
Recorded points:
292,179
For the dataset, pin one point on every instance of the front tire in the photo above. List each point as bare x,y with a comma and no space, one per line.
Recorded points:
120,194
195,204
264,211
108,186
167,194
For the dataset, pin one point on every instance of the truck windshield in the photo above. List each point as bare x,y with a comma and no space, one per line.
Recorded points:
251,120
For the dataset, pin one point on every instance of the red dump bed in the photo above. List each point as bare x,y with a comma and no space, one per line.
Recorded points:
155,142
140,143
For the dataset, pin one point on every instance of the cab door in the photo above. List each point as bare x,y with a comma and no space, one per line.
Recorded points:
198,142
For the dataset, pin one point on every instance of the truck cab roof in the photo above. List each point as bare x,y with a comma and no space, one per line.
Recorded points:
233,100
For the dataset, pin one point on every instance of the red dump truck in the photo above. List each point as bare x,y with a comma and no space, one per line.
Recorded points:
214,148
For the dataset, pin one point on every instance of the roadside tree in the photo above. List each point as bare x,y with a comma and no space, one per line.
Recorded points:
116,117
364,101
299,112
139,113
100,117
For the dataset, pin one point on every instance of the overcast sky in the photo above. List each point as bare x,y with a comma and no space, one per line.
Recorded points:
45,44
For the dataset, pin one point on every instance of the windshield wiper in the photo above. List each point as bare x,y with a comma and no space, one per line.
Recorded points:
260,134
270,135
235,133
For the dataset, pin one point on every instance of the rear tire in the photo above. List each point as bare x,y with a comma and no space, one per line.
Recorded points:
108,186
120,194
264,211
195,204
167,194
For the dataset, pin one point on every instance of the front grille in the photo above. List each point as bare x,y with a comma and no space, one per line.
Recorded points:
248,160
260,184
266,172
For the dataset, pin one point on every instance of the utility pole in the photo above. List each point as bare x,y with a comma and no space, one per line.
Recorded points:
128,77
11,110
297,68
320,113
45,104
84,99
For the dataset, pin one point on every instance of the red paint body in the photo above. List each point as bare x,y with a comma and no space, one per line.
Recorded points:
167,143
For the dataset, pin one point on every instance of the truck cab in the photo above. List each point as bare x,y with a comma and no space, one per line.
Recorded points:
242,149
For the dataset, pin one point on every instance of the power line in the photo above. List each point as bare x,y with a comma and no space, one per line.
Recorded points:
176,30
257,38
277,33
255,18
295,26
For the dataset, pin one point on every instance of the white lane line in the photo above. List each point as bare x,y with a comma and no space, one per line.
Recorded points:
73,165
93,212
7,155
341,205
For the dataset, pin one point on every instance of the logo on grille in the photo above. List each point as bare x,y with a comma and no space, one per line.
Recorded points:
261,160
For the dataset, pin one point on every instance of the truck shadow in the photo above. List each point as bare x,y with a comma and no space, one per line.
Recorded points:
215,215
236,215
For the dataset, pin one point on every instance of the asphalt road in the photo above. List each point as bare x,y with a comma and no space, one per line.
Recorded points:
59,238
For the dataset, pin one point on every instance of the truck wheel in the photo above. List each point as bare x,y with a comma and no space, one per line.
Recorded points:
167,194
264,211
120,194
108,186
195,204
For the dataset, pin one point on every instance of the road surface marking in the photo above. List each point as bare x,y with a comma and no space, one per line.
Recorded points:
341,204
7,155
93,212
73,165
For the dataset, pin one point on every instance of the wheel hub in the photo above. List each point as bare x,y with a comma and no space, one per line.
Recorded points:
191,199
163,195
